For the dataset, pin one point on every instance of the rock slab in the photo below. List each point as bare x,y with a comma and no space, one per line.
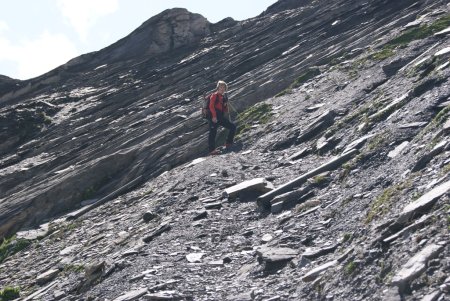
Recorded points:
416,265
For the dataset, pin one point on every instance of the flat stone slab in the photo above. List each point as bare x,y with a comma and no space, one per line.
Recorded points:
165,295
443,32
416,265
311,253
314,107
425,201
256,185
290,196
69,249
33,234
269,254
412,125
195,162
442,51
157,232
395,152
195,257
385,111
446,126
314,273
357,143
298,154
132,295
47,276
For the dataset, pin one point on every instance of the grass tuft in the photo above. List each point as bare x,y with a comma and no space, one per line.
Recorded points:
11,246
9,293
257,114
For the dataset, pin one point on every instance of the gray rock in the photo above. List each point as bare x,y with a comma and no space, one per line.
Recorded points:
423,203
320,123
195,257
59,294
419,223
303,152
330,165
94,270
434,296
314,273
358,143
260,185
443,32
212,206
266,238
277,207
289,199
314,107
412,125
165,295
391,294
149,216
47,276
312,253
423,161
395,152
387,110
269,254
70,249
132,295
164,227
443,52
446,126
33,234
200,215
241,297
415,266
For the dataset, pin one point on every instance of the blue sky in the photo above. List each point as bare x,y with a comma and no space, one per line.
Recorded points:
39,35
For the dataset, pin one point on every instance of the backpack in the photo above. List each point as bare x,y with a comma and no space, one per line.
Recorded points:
206,113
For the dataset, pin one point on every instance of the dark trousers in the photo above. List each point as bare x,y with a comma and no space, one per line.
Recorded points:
224,122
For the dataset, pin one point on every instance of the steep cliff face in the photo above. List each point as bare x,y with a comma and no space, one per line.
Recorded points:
343,109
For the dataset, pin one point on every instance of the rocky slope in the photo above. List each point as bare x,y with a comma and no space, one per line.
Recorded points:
344,110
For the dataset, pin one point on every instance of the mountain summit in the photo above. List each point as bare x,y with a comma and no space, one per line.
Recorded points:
167,31
337,187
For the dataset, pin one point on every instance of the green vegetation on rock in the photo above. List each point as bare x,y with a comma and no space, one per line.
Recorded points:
11,246
420,32
383,202
309,74
350,268
9,293
257,114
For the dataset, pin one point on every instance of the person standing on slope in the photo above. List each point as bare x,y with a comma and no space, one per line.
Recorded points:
218,106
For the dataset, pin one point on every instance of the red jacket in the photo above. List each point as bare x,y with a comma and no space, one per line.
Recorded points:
217,103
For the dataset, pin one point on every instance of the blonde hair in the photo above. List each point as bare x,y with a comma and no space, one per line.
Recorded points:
222,83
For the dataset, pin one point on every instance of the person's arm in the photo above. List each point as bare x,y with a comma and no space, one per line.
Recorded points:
212,106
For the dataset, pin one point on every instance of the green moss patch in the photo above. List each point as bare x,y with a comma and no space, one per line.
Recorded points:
11,246
383,202
257,114
304,77
420,32
9,293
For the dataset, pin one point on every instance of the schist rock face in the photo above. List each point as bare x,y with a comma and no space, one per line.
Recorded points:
337,186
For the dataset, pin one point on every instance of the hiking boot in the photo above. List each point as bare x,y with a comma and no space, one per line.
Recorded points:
214,152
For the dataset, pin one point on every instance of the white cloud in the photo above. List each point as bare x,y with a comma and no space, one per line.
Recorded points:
83,14
3,26
34,57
